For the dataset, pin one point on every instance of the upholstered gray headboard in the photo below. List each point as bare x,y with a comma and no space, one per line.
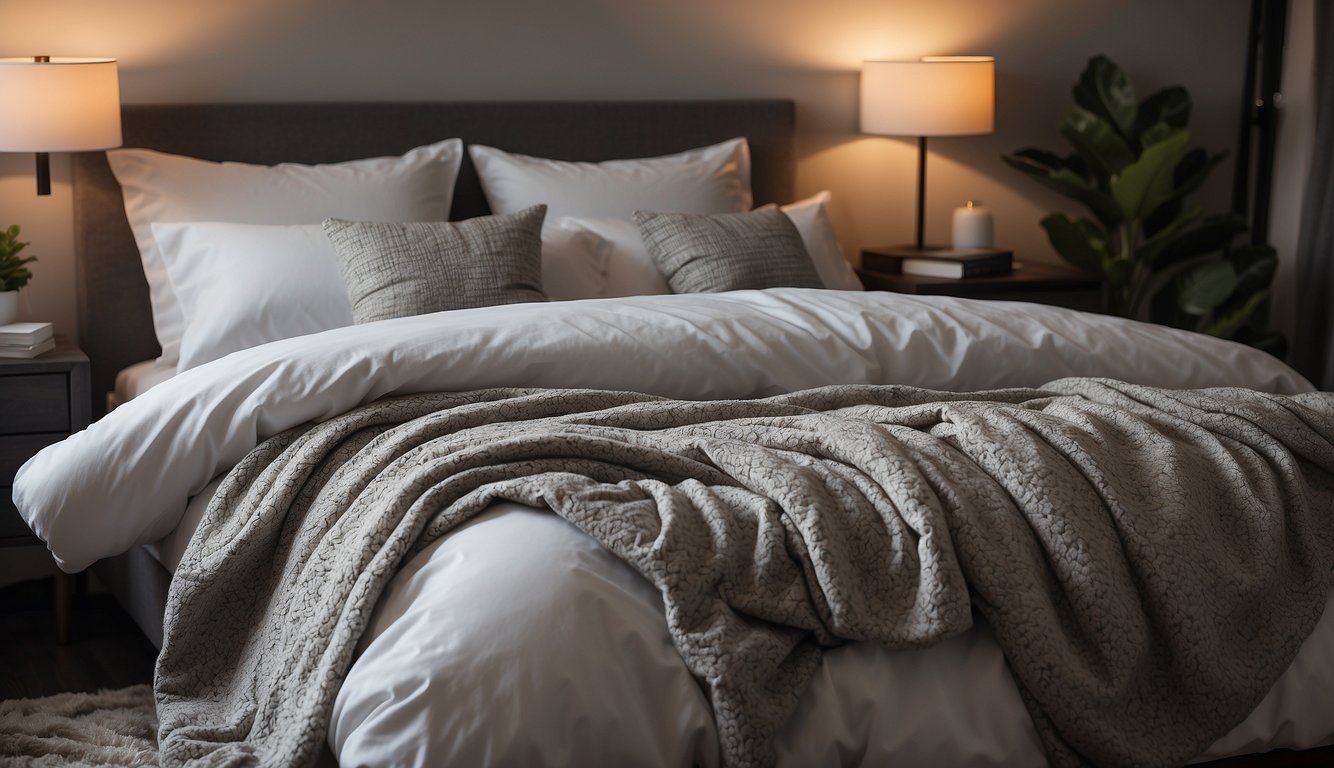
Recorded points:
115,326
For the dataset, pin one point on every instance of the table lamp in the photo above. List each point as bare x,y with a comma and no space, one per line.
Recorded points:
58,105
931,96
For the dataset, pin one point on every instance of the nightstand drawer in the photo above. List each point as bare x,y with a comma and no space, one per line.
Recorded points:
12,526
34,403
18,449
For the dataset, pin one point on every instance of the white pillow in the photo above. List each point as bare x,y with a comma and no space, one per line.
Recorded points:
630,270
242,285
574,263
714,179
159,187
821,241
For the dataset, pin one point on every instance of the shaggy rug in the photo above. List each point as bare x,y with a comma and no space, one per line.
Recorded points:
80,729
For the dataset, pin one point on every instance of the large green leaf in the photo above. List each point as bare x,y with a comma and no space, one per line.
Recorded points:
1227,324
1082,243
1147,183
1212,235
1163,217
1205,286
1193,169
1031,157
1104,90
1154,134
1167,234
1256,266
1097,141
1069,183
1170,106
1189,175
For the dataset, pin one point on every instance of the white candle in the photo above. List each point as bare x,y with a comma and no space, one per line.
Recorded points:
972,226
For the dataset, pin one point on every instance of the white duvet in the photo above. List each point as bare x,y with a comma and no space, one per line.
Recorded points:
517,640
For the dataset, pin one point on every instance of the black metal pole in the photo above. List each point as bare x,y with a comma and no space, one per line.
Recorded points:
1241,172
921,190
43,173
1272,39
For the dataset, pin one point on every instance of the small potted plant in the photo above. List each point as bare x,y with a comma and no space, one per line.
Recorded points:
14,273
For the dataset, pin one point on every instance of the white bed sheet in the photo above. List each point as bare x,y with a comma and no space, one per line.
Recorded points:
545,649
137,379
432,689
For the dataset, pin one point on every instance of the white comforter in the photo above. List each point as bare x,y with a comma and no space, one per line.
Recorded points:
556,611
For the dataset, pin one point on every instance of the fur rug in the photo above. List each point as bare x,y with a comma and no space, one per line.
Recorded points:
80,729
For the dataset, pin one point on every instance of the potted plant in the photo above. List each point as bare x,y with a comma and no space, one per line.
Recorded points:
14,273
1134,170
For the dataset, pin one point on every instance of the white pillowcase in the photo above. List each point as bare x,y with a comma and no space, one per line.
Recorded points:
160,187
821,241
631,271
713,179
242,285
574,263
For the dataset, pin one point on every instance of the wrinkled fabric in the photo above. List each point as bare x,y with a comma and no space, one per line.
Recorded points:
173,440
1150,560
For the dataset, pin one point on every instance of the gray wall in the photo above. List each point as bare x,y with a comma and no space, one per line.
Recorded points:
271,50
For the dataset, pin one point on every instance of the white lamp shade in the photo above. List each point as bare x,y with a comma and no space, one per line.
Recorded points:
61,105
933,96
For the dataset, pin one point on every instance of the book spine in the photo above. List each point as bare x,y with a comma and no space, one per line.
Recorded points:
975,270
882,263
953,270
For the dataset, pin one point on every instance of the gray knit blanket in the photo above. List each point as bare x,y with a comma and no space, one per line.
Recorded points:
1150,560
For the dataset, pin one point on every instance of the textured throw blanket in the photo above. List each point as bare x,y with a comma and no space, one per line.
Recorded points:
1150,560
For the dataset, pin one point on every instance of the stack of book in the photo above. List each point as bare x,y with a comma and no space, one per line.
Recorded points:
939,262
26,339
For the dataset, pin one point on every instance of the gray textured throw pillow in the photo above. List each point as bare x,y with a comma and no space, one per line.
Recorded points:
707,253
397,270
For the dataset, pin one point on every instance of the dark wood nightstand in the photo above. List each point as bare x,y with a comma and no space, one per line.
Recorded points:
42,400
1054,284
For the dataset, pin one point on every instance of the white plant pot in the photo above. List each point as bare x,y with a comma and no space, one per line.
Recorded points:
9,306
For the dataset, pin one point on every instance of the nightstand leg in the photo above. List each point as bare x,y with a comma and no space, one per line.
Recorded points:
64,596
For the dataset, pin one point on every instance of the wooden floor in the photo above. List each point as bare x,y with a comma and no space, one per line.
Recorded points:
106,649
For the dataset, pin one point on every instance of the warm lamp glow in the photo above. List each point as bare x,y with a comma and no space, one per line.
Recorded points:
933,96
62,105
58,105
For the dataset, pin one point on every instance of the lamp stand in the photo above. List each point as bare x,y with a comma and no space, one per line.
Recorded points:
43,158
921,191
43,173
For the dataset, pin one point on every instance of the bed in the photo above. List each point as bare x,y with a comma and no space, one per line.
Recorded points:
115,323
564,657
